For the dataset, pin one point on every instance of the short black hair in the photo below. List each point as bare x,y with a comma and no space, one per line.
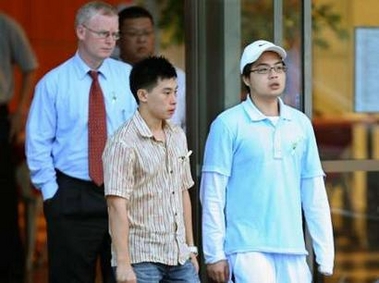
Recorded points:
146,73
246,73
134,12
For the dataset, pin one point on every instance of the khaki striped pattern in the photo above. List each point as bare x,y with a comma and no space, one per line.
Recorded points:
152,175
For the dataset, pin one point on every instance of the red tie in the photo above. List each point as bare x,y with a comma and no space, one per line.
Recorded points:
97,130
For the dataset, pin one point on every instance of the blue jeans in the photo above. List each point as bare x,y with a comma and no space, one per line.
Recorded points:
150,272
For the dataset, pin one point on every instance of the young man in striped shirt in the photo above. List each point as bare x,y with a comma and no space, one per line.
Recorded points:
147,177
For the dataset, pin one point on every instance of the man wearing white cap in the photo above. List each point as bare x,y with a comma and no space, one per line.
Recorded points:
261,173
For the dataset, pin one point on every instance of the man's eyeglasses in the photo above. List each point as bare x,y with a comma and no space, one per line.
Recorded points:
265,70
103,34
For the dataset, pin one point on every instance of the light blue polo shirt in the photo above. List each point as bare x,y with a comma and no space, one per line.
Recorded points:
265,164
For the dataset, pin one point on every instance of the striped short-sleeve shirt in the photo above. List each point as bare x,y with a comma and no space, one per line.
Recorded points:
151,175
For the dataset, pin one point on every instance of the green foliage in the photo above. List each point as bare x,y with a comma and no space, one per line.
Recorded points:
257,21
172,21
325,18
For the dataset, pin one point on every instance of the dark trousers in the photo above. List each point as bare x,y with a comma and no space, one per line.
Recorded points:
12,257
77,232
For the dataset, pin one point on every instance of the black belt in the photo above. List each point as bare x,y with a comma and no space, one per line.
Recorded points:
60,174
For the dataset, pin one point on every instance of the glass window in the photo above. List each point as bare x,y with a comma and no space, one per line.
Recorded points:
346,135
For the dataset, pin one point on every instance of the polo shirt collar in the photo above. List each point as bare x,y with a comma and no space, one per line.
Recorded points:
256,115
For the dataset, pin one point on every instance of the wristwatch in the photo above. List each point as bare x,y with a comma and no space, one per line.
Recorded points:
193,250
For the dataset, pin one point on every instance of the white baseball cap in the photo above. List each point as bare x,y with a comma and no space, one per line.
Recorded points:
254,50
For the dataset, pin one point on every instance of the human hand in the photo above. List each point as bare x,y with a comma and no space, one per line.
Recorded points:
125,274
195,262
218,271
326,271
16,124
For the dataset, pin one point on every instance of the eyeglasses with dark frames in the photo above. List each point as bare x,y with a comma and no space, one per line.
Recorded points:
103,34
264,70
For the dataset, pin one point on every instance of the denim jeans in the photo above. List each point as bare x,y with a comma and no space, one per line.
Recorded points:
151,272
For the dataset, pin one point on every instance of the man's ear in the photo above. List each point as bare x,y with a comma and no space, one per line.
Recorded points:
80,32
246,80
142,95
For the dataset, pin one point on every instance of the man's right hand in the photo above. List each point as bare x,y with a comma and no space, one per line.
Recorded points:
218,271
125,274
